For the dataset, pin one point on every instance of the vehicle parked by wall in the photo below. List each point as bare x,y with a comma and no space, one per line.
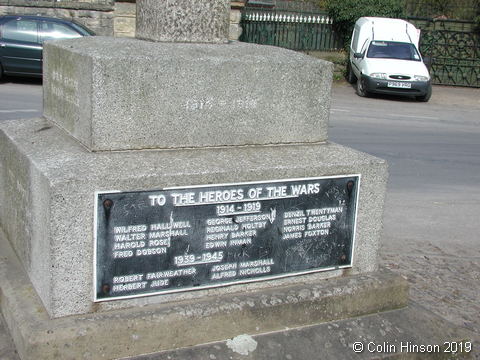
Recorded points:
384,58
22,37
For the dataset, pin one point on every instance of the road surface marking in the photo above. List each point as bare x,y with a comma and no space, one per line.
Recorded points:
342,110
415,116
395,115
20,110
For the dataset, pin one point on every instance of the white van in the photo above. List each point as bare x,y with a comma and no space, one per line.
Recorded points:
384,58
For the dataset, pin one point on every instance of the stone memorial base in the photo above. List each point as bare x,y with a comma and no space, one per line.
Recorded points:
180,194
49,181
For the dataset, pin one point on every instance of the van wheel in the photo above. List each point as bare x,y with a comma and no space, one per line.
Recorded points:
351,78
361,88
427,96
1,71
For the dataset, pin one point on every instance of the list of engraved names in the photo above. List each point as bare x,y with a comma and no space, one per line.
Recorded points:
183,238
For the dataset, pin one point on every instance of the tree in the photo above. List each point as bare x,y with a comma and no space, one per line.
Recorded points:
346,12
477,17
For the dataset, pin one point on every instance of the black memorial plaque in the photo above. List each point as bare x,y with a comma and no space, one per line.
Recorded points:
178,239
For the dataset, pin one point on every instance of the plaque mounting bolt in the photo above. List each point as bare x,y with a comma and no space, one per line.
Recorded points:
350,186
107,204
105,288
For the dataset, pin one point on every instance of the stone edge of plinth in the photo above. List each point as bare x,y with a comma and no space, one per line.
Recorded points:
137,331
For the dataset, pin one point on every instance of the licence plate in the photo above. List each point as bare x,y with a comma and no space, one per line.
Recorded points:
398,84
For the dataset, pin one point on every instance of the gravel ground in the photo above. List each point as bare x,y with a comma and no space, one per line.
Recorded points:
446,285
444,279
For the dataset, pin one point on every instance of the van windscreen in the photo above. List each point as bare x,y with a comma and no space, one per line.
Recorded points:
393,50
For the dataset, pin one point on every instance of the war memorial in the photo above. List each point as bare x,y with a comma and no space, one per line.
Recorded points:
181,190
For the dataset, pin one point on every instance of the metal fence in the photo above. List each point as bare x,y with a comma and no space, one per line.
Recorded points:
296,31
455,56
453,46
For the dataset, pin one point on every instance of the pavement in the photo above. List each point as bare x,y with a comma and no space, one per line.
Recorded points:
444,280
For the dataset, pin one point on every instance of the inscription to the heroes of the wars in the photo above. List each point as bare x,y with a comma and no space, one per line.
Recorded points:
178,239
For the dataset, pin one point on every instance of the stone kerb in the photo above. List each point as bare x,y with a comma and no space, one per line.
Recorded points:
124,94
183,20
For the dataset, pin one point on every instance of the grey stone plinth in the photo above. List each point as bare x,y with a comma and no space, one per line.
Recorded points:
183,20
139,330
120,94
48,182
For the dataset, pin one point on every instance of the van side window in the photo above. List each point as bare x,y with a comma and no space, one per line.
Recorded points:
20,30
355,40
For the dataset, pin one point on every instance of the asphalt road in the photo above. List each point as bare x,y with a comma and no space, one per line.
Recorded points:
20,98
432,210
433,154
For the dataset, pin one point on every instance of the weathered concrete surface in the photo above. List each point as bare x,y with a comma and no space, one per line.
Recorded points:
121,94
7,346
49,181
147,329
395,334
183,20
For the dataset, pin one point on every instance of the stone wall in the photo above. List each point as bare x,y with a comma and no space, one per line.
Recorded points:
105,17
235,18
124,19
97,15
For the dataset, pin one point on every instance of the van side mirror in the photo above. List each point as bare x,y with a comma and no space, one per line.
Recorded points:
358,55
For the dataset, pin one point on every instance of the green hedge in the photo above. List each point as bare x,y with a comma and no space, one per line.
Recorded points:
346,12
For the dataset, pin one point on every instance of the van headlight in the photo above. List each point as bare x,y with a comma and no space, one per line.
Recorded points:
378,75
421,78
